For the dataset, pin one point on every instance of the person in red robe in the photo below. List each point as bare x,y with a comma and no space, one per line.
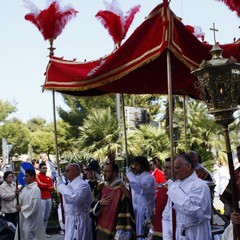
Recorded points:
156,172
114,209
155,232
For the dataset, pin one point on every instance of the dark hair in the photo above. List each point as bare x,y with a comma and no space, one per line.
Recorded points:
33,161
188,159
238,147
5,175
143,162
42,164
168,159
115,167
31,172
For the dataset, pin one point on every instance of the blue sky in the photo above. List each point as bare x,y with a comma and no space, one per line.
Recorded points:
24,51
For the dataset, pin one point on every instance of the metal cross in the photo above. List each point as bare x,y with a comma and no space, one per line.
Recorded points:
214,32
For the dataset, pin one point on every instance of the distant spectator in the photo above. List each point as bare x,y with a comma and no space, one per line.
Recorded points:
46,186
8,197
35,163
156,172
51,168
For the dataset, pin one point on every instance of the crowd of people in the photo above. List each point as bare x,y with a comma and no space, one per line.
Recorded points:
147,203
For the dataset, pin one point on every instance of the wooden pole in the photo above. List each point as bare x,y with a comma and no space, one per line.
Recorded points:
236,228
185,122
51,53
124,130
18,220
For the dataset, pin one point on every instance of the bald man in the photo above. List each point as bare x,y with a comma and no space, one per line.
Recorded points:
77,200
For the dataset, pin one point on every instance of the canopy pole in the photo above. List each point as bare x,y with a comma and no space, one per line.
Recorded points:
170,102
117,99
55,131
124,129
185,121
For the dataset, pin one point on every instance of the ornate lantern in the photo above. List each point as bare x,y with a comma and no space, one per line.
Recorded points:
219,86
16,161
176,134
63,163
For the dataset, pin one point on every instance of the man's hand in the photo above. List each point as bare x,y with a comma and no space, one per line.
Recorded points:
235,217
18,207
105,201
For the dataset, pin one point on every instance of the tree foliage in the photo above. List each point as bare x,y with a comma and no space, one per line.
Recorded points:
17,134
6,108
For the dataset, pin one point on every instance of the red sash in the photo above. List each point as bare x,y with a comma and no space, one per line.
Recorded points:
107,219
161,201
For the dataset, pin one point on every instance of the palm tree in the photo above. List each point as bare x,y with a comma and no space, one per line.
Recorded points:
99,134
149,141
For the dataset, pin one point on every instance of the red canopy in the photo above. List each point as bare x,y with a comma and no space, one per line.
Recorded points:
140,64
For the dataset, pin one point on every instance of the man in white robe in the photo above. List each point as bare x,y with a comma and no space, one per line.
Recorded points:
77,199
143,187
30,212
190,197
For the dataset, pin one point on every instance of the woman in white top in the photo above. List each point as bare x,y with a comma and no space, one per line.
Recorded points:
8,197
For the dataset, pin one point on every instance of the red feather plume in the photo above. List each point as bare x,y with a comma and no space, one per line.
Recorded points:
112,23
234,5
129,18
114,20
51,21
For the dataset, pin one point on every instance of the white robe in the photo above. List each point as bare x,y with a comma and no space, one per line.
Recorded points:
77,199
192,202
30,216
143,189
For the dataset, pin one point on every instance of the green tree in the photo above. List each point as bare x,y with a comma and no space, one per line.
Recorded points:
78,110
99,134
6,108
16,134
149,141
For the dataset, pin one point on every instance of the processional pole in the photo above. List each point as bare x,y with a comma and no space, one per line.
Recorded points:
185,121
124,130
170,97
51,53
219,84
56,18
16,169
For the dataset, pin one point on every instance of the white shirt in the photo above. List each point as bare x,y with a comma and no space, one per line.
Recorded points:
192,202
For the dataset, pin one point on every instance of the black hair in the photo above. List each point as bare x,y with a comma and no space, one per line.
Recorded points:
155,160
31,172
5,175
143,162
168,159
42,164
33,161
115,167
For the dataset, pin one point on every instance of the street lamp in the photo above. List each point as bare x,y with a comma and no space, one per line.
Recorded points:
176,135
219,86
63,163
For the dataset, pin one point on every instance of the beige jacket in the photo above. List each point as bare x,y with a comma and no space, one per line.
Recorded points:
8,197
